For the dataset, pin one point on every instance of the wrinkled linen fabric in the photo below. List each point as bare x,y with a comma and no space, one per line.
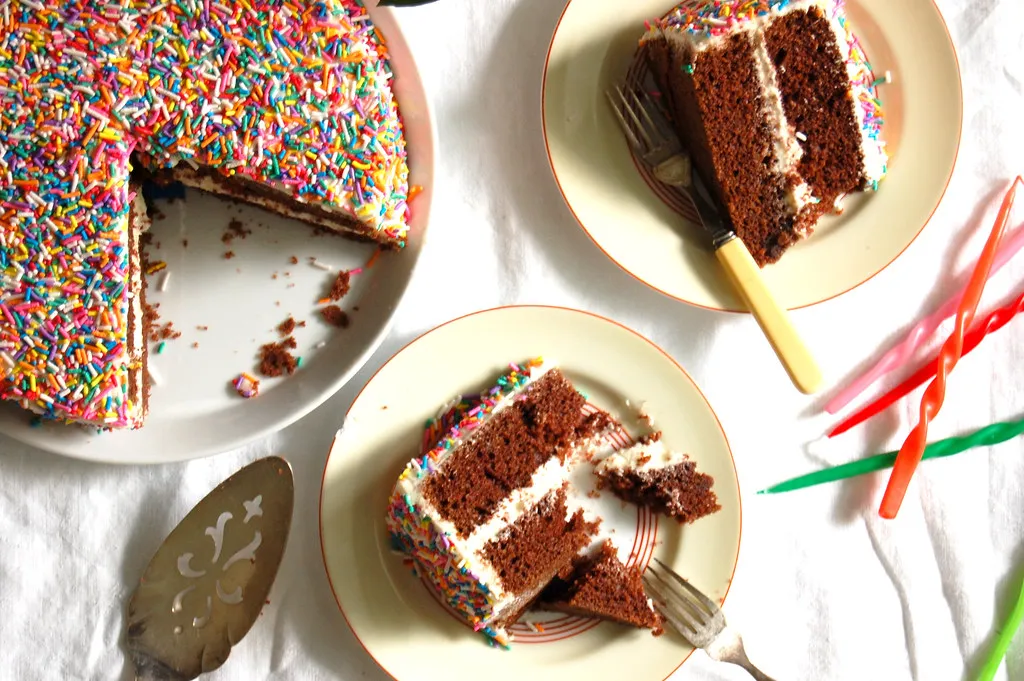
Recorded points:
824,590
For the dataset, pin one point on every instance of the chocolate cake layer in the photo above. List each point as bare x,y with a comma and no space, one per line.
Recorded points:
717,109
528,554
679,491
818,103
503,454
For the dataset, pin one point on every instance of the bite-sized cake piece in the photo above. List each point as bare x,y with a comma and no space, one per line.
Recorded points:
652,475
278,104
484,514
776,104
602,586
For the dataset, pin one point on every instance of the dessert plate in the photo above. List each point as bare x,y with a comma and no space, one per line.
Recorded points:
396,617
593,47
239,302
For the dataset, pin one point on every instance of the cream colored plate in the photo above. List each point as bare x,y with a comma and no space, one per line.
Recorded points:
395,617
592,48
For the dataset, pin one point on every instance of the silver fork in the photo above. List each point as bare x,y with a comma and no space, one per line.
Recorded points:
663,153
660,148
697,617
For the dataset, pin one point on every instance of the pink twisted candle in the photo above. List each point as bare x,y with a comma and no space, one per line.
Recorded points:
995,320
913,447
905,349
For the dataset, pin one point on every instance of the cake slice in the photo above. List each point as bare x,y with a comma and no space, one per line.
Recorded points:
650,474
776,103
483,515
602,586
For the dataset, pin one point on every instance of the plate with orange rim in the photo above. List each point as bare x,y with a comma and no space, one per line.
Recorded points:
224,304
398,619
619,206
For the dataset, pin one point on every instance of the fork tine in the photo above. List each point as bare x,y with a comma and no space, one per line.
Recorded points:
697,593
645,109
633,141
678,617
683,599
630,109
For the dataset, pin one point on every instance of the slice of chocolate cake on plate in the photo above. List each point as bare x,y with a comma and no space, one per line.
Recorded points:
777,105
484,515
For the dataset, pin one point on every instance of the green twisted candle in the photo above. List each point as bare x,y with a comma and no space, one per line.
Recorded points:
987,436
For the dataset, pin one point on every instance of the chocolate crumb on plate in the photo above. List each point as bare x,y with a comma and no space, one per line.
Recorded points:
229,255
276,360
340,286
335,316
286,327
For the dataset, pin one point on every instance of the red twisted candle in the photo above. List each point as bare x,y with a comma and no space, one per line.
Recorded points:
995,320
913,447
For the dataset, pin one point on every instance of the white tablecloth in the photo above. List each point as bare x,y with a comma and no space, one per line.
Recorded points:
824,589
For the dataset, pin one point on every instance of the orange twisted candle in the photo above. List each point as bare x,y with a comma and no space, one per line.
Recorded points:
910,453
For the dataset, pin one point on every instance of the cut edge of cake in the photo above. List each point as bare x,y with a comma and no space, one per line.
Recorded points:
787,207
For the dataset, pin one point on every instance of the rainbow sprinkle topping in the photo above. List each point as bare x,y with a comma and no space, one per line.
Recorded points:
712,18
292,95
432,553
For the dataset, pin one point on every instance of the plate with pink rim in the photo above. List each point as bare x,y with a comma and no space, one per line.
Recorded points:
227,299
622,210
398,619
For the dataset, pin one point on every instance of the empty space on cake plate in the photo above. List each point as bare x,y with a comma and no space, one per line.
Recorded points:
233,274
398,619
593,48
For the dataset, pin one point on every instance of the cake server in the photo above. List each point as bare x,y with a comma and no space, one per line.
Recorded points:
209,580
663,153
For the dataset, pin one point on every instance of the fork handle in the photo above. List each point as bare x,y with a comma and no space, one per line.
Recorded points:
774,320
728,647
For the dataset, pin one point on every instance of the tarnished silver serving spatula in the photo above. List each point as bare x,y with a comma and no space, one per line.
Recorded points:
209,580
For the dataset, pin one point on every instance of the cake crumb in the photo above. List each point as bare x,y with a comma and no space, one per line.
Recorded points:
229,255
594,494
203,327
335,316
339,287
195,346
235,230
286,327
184,243
293,260
276,360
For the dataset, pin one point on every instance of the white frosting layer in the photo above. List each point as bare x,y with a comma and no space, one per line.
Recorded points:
640,457
786,150
545,479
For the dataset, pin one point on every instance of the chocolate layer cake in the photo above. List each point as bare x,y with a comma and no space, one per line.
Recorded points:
650,474
602,586
776,104
279,104
484,514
